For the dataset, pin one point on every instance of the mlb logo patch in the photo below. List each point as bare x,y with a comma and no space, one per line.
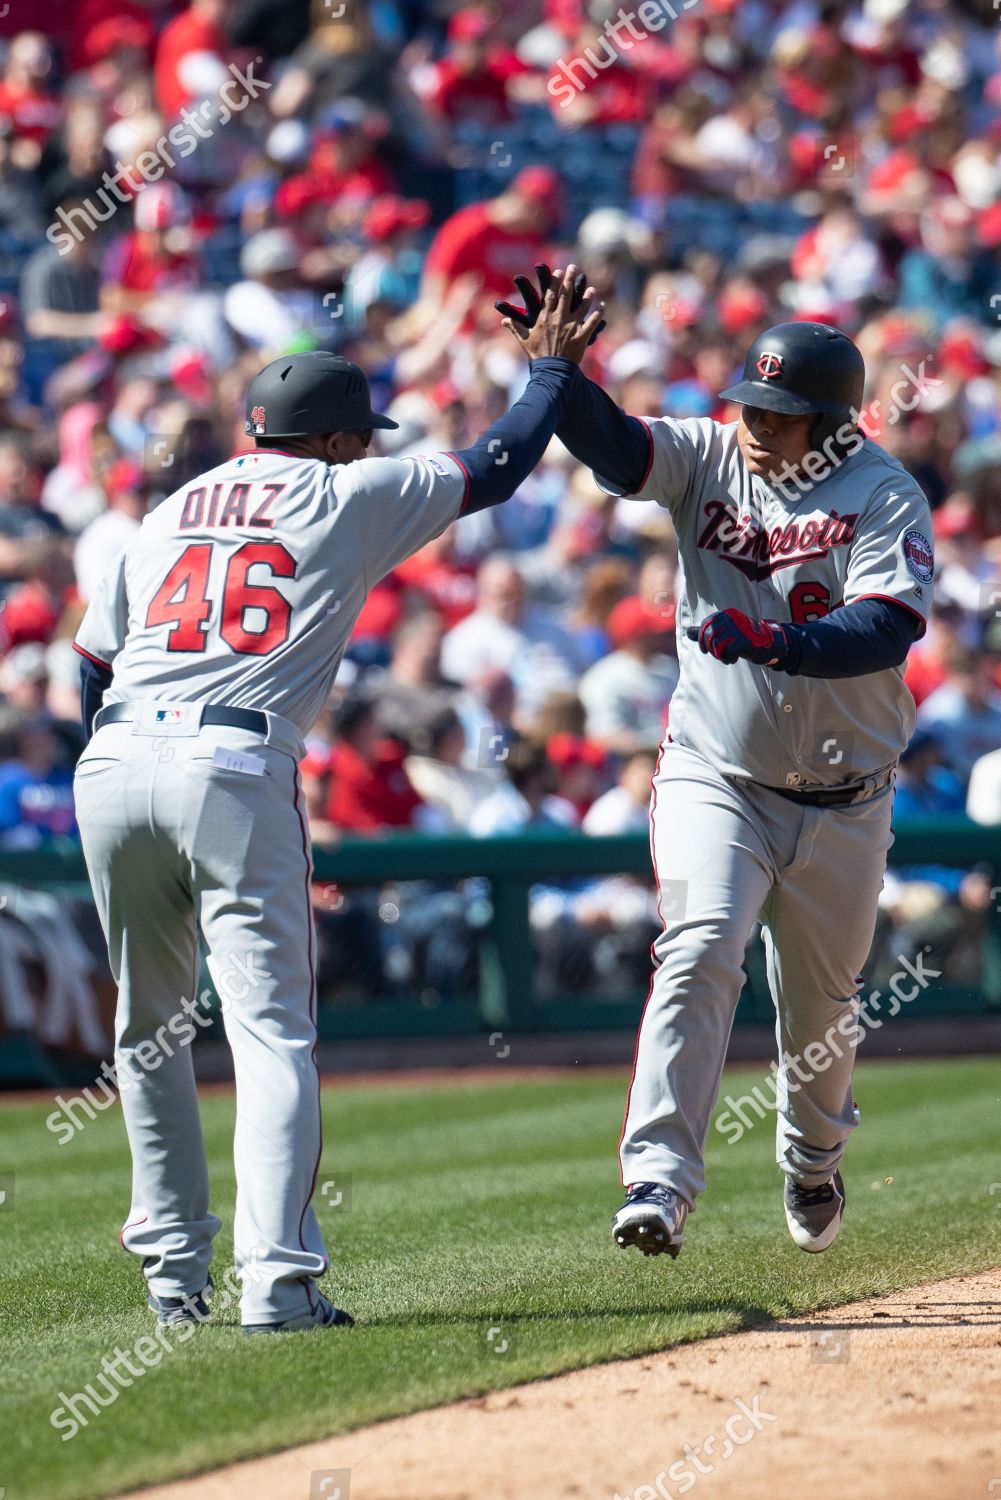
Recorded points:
168,716
259,420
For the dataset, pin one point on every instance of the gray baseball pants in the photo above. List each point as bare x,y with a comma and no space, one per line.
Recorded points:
726,854
179,842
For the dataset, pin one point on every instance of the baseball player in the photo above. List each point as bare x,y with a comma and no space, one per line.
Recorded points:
806,573
209,650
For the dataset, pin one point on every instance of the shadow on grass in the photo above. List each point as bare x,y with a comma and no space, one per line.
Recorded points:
749,1315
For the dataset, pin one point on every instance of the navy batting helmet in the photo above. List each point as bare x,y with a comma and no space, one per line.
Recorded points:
797,368
303,394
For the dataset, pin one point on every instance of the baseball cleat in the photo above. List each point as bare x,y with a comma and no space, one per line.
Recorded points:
814,1213
189,1308
324,1315
652,1218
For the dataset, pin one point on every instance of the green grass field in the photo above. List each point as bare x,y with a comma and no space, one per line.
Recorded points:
473,1208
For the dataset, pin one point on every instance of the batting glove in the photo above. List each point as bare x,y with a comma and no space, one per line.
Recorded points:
731,636
528,316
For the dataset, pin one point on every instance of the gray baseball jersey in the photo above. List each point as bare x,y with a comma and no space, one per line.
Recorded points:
864,532
727,850
243,587
240,590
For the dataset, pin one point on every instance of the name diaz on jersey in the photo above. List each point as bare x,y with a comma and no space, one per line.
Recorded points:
759,551
204,509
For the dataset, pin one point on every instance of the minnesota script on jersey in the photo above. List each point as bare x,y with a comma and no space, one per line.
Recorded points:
243,587
788,554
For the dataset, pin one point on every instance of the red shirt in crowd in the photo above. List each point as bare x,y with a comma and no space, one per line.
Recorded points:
370,180
71,22
476,96
382,611
134,264
187,33
324,180
468,241
924,673
97,22
366,795
615,96
892,172
449,588
34,115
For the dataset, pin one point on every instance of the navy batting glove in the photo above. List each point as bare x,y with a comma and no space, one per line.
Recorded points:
731,636
528,316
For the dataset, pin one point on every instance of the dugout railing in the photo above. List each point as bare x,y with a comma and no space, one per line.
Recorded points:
506,999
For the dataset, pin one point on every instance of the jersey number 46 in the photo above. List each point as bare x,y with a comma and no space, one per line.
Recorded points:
182,599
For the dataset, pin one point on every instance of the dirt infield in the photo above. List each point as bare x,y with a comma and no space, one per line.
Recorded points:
895,1396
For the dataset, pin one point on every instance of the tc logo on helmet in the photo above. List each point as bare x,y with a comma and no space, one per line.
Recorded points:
258,419
769,365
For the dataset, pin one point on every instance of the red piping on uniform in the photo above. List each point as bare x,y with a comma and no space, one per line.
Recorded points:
649,462
312,1008
889,599
134,1225
256,452
95,659
465,498
649,997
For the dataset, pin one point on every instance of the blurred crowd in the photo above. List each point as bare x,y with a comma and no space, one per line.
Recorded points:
189,190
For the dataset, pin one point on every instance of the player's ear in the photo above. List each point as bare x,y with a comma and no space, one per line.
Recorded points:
332,448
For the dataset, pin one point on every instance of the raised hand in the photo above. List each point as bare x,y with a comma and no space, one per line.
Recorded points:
565,321
526,317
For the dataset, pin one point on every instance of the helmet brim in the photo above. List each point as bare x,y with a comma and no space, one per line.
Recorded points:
769,398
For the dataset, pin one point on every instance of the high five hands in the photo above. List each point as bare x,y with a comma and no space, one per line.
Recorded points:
559,319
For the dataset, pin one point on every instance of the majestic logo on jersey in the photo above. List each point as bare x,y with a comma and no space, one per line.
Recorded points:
259,420
770,365
918,556
759,551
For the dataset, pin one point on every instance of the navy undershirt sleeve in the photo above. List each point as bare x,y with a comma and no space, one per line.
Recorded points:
94,683
867,636
504,456
601,435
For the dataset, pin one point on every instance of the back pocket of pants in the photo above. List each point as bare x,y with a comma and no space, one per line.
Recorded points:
93,766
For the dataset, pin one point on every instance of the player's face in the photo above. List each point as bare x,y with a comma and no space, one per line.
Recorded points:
773,445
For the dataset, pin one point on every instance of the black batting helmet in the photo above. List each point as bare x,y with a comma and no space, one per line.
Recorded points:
797,368
303,394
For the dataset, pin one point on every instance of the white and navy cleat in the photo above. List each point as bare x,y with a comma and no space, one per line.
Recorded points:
324,1315
814,1214
189,1308
652,1218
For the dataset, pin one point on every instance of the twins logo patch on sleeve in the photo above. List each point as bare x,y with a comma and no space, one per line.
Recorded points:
918,556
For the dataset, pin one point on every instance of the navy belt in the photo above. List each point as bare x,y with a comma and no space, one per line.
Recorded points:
212,713
837,796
